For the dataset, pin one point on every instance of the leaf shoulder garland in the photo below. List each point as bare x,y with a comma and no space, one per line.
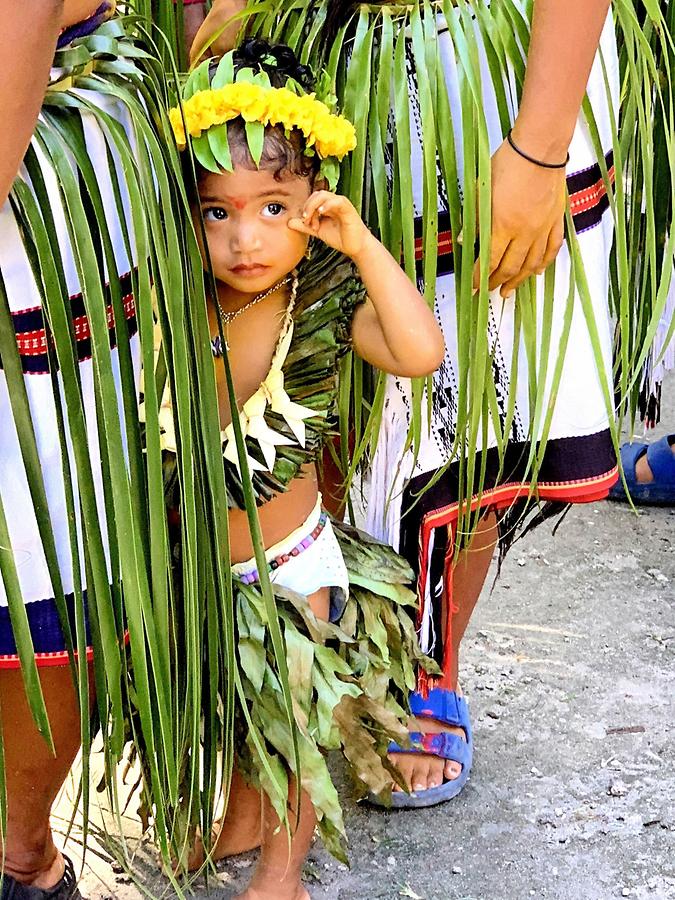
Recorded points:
328,293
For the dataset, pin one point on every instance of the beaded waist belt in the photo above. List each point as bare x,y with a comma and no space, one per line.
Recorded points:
251,576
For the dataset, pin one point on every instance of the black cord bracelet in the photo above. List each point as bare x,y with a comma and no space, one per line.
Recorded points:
536,162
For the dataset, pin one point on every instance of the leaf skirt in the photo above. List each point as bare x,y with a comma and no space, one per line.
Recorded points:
349,681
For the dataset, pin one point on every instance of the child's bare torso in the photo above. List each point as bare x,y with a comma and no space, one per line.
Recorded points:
252,339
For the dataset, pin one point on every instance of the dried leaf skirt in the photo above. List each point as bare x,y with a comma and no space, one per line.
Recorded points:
349,680
412,498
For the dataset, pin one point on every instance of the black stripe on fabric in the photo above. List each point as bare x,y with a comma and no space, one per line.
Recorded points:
39,365
581,181
591,217
566,461
45,626
33,320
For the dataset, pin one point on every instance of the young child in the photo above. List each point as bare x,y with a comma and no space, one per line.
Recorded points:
264,201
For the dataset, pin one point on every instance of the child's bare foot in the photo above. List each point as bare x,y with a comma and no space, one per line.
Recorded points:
269,884
422,771
273,894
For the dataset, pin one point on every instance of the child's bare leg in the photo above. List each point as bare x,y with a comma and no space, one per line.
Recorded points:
421,771
278,875
240,828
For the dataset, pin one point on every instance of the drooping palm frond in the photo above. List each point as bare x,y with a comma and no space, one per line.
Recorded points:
642,268
119,538
371,55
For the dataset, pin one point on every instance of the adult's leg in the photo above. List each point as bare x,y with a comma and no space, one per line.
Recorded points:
421,771
34,775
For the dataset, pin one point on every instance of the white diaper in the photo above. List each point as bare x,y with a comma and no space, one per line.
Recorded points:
306,561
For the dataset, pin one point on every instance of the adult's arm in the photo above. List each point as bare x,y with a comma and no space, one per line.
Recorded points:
194,13
528,202
28,36
219,15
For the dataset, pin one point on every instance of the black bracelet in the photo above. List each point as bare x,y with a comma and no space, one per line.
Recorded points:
536,162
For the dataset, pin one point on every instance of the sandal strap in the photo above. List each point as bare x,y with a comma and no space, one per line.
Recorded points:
444,706
443,745
630,454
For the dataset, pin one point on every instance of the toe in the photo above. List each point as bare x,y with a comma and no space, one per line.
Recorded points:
420,775
452,770
404,764
436,773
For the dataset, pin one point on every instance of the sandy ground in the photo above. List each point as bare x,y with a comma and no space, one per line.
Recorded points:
569,668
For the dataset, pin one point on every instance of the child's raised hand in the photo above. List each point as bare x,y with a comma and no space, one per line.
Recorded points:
335,221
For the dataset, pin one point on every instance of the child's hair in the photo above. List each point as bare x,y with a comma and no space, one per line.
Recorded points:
282,154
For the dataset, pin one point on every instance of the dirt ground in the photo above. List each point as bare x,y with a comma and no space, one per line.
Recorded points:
569,669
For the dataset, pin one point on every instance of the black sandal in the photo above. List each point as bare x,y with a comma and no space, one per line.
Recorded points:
65,889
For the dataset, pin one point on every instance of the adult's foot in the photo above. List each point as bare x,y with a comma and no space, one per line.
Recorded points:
45,883
643,472
422,771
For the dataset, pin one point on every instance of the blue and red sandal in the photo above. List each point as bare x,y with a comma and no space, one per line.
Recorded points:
450,709
661,460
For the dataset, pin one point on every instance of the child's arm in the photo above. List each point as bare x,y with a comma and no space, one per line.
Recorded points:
394,330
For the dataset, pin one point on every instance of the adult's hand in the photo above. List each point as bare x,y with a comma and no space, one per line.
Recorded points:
218,20
528,209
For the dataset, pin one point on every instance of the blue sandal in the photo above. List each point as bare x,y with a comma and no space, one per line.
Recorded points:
447,707
661,460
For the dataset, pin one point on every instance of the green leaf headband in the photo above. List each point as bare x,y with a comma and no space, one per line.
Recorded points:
209,104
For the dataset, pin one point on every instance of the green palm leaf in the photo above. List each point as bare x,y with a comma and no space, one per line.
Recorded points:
371,52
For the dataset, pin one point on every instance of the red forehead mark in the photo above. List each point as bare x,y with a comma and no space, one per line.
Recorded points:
238,202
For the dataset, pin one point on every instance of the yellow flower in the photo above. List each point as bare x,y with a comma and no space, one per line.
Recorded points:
331,135
178,129
251,99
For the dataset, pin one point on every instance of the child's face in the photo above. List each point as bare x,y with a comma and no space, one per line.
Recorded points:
246,215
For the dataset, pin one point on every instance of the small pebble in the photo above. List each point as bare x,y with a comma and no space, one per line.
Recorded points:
391,860
456,870
617,788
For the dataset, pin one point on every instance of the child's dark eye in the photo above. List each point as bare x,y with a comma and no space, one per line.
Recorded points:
215,214
274,209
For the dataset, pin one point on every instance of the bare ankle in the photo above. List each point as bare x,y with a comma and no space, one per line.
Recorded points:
37,868
272,883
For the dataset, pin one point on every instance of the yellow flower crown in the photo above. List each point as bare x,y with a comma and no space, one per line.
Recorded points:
329,134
